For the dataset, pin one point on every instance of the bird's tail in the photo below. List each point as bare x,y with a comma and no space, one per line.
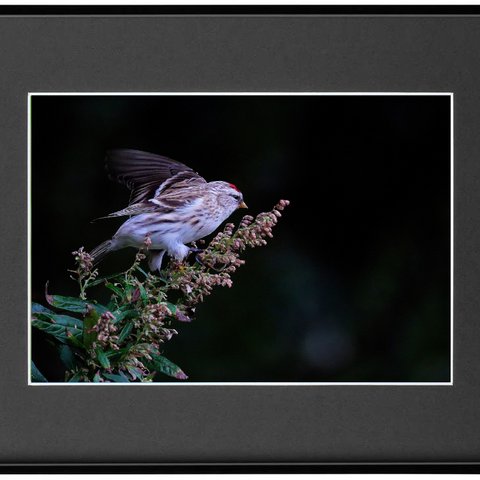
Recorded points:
99,252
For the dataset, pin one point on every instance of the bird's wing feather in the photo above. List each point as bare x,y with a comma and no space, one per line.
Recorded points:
137,209
144,173
179,190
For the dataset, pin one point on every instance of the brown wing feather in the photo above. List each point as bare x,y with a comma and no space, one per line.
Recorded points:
136,209
142,172
179,190
176,192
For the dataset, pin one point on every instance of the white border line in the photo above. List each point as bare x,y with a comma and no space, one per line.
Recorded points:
243,384
275,3
29,241
452,172
239,93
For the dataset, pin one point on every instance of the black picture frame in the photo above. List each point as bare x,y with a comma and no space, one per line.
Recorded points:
227,429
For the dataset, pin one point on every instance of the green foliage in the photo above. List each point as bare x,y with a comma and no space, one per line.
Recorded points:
36,375
124,340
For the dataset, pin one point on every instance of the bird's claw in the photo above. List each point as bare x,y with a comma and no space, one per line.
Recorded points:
197,251
221,269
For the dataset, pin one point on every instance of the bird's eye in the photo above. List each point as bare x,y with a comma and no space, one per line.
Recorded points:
235,196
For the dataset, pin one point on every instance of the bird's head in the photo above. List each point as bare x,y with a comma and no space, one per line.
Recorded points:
229,196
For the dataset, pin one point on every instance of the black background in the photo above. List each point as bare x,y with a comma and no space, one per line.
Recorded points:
354,286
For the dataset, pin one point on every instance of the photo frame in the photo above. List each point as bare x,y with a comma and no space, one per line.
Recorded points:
330,427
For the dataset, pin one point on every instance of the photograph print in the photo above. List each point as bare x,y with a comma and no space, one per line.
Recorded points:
240,238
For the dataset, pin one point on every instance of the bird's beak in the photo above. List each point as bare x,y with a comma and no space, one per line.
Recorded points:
243,205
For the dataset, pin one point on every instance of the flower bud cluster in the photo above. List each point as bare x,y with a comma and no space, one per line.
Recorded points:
84,260
153,322
222,256
252,232
106,330
197,284
85,272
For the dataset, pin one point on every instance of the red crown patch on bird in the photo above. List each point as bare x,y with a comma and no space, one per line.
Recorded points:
234,187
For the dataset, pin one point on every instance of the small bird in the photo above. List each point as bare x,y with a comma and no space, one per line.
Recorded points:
169,203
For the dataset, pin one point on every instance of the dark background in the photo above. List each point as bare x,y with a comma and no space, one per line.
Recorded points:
354,286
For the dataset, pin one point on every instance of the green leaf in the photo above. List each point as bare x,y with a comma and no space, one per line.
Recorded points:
37,308
72,304
120,378
37,375
67,357
97,378
76,377
102,358
75,341
127,329
117,355
131,293
142,271
143,293
65,320
123,314
60,332
117,291
59,326
135,372
100,280
89,321
172,307
164,365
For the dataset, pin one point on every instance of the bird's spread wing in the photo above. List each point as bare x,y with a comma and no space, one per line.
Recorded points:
179,190
176,192
145,174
